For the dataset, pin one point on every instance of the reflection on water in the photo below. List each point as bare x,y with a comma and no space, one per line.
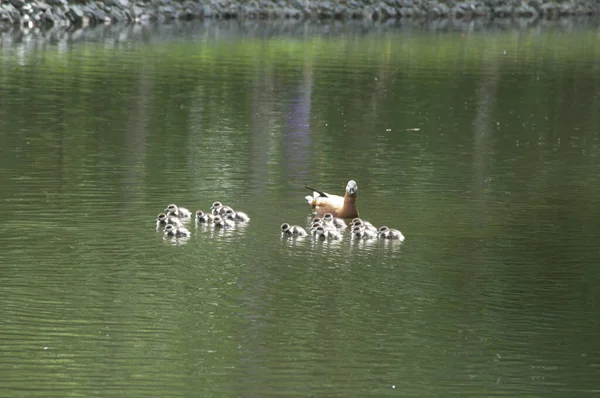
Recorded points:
481,148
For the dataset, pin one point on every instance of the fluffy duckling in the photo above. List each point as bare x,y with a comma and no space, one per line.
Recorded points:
162,219
387,233
292,230
178,232
238,216
220,222
362,233
218,208
203,217
357,222
175,211
320,222
215,208
336,222
338,206
322,233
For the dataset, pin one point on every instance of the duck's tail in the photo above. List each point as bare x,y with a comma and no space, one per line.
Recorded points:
316,193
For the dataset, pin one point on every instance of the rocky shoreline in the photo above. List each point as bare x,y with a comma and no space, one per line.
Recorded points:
81,13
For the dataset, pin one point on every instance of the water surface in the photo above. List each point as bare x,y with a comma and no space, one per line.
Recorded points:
482,147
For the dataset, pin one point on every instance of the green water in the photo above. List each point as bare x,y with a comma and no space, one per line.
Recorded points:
483,148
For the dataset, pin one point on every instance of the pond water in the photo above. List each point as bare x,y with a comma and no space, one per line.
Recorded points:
481,147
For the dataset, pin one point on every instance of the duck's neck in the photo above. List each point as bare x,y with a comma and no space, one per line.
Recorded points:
349,200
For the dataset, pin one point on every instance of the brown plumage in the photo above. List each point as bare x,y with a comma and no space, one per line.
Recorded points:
338,206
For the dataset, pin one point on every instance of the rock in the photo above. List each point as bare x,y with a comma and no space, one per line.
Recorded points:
75,14
11,13
17,3
549,9
387,12
503,11
207,12
5,18
524,10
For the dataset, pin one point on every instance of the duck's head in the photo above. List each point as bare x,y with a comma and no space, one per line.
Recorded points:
352,188
285,227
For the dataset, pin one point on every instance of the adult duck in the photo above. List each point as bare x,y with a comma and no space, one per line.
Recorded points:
338,206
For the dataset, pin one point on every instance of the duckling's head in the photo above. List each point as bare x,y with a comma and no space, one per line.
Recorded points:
320,231
229,213
357,230
216,205
358,223
383,229
162,217
171,209
352,188
328,217
316,222
285,227
199,213
170,229
217,219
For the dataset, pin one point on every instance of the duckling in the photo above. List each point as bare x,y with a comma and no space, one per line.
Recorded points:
238,216
162,219
203,217
387,233
175,211
293,230
215,208
322,233
363,233
218,208
336,222
339,206
357,222
178,232
321,222
220,222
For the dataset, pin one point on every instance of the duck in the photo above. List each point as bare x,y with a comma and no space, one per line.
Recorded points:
181,212
203,217
335,222
364,225
220,222
387,233
362,233
163,219
322,233
292,230
178,232
338,206
238,216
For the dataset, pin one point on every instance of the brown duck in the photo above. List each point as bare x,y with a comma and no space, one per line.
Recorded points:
338,206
